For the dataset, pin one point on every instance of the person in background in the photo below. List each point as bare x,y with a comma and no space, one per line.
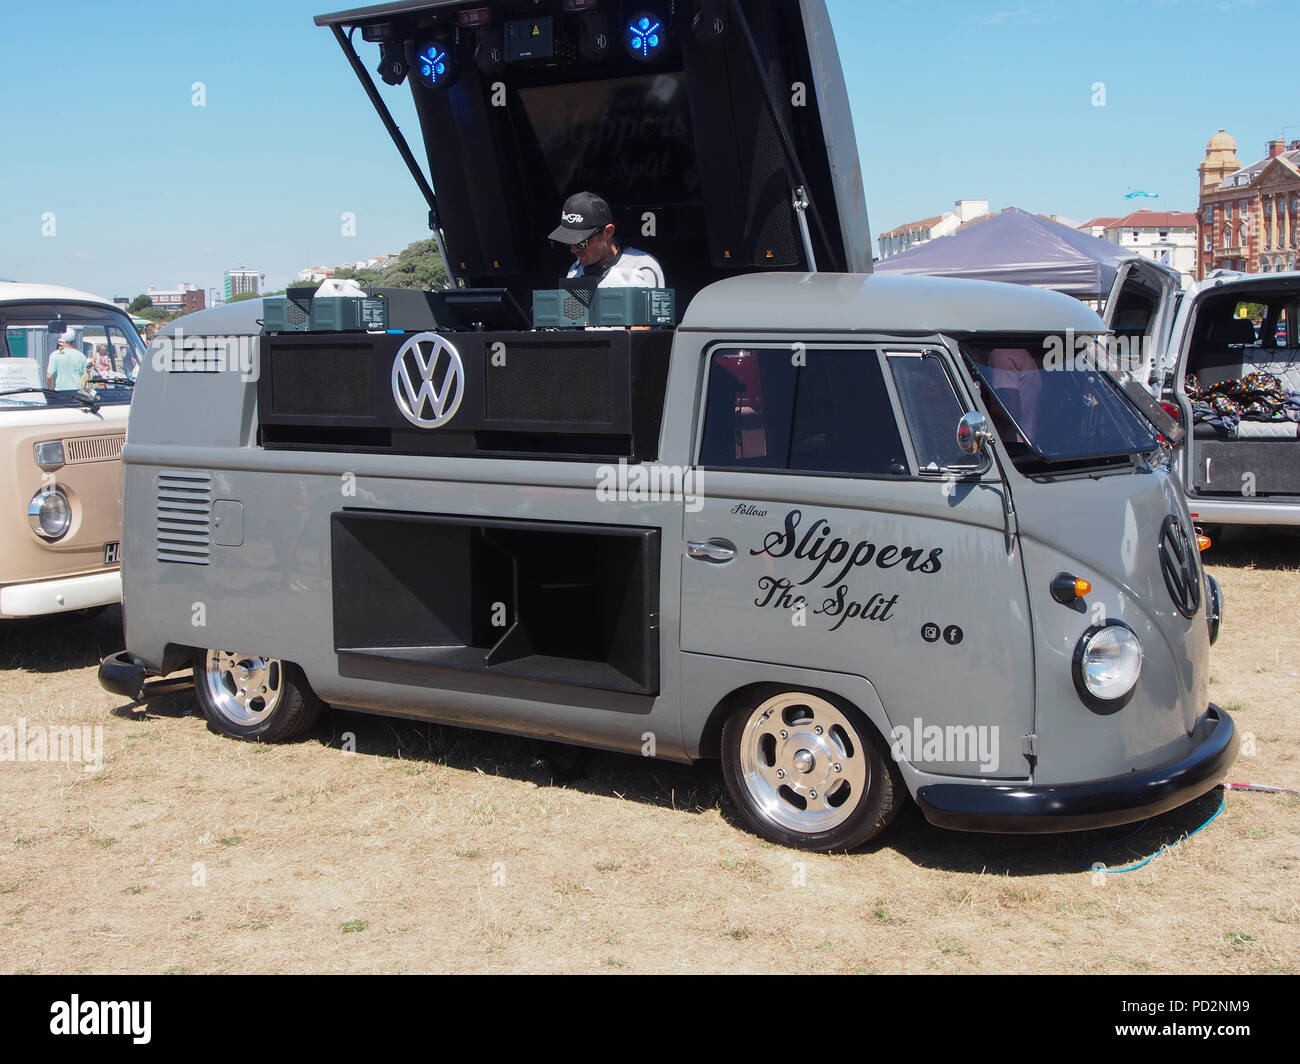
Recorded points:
102,364
1017,378
587,227
66,369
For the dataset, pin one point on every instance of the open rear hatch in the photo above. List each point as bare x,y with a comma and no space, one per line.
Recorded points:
707,125
1236,376
1140,313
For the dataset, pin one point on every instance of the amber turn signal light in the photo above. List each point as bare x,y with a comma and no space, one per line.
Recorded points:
1204,542
1067,589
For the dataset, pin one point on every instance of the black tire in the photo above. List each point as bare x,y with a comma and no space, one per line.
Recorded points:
249,697
774,756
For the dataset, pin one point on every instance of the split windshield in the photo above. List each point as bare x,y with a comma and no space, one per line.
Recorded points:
98,358
1052,405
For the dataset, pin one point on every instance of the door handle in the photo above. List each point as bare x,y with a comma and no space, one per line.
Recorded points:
715,550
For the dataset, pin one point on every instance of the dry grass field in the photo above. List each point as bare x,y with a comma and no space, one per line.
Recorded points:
435,849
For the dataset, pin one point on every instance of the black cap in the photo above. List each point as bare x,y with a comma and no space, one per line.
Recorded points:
584,213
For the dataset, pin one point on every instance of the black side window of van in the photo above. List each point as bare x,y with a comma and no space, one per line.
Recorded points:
932,412
843,419
823,412
750,404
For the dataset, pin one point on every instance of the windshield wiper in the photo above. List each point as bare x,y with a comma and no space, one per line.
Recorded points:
88,402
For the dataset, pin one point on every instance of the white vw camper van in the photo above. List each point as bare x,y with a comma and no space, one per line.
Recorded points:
61,443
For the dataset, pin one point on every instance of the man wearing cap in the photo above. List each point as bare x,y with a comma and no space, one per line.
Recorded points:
587,227
67,366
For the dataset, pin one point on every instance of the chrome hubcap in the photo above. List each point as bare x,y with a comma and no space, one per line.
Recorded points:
803,763
244,688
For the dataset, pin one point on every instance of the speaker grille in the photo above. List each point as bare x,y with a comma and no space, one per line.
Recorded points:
771,206
323,381
528,388
298,311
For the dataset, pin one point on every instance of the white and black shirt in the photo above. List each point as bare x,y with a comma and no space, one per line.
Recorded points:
630,269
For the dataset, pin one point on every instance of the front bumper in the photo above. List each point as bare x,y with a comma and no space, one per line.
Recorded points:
1094,804
62,595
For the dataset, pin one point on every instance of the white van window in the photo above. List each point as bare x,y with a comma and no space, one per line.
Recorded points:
1049,413
931,410
104,351
801,410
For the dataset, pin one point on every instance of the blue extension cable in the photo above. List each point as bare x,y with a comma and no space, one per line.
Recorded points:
1223,803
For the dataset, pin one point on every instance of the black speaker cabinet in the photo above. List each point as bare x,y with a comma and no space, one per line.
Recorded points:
573,395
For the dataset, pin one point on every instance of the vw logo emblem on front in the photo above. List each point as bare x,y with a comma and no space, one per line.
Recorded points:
1178,565
428,380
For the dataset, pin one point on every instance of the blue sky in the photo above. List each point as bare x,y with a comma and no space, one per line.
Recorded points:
951,100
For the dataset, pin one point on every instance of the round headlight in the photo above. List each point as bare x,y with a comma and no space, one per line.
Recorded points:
49,513
1214,611
1107,664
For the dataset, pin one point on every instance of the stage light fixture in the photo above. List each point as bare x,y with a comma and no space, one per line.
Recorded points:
595,41
392,64
435,64
710,22
490,52
646,36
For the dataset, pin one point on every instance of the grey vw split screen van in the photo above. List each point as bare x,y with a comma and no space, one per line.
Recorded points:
853,536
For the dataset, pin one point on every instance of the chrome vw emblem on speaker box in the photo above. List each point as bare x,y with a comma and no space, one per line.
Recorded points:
428,380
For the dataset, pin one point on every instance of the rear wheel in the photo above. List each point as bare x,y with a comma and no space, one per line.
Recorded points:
250,697
808,773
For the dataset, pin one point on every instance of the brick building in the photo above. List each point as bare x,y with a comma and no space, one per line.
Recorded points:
184,299
1249,216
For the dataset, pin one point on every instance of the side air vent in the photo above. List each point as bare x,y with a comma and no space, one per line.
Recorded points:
183,526
93,448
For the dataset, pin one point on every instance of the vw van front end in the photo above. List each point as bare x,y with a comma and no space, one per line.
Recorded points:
1124,612
60,450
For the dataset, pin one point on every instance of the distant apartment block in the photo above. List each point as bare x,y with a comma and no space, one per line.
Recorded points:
1167,237
183,299
912,234
240,281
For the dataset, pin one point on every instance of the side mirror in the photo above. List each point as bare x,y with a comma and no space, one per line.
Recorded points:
973,433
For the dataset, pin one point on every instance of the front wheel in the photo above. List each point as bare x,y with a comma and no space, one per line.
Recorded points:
807,773
250,697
